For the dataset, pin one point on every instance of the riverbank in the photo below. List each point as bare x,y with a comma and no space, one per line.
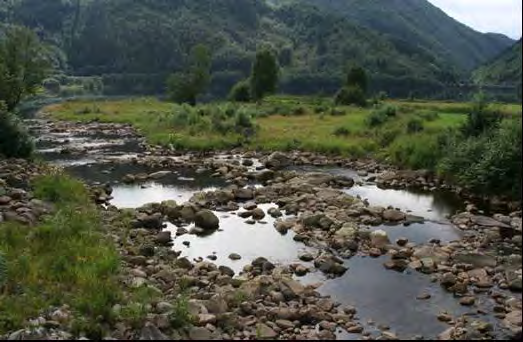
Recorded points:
278,243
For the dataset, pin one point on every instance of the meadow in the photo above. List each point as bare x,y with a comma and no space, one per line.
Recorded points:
406,133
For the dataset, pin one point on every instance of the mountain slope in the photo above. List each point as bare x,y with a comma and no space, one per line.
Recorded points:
506,69
417,26
141,41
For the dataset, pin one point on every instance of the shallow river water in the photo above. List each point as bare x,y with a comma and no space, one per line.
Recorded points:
385,297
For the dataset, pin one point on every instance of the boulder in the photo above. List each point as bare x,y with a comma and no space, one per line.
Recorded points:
277,160
258,214
394,215
207,220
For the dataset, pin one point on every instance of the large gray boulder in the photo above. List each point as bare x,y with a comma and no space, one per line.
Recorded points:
207,220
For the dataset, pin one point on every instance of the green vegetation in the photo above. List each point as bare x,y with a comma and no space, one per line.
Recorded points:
241,92
24,65
65,259
185,87
354,91
265,74
505,69
409,134
134,45
14,138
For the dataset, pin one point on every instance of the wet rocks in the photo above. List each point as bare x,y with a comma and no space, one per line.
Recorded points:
164,238
392,215
258,214
244,194
207,220
330,266
277,161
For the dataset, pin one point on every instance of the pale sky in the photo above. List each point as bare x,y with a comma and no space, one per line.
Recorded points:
500,16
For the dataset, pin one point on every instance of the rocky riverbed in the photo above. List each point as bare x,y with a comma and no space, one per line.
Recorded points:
288,246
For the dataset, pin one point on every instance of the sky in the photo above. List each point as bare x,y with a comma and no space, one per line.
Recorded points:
500,16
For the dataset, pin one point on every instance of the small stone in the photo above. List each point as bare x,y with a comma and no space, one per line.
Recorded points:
424,296
235,256
448,280
265,332
467,301
444,317
306,257
258,214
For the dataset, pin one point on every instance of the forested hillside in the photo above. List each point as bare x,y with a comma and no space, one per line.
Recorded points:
506,69
135,44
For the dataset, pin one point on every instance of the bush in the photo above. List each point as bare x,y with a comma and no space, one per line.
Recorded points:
15,141
341,132
241,92
351,95
490,163
481,118
414,126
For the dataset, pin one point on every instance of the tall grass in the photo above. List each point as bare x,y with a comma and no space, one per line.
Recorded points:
65,259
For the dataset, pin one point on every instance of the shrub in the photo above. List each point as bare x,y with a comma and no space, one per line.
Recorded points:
490,163
240,92
52,85
351,95
15,141
481,118
429,115
341,132
415,126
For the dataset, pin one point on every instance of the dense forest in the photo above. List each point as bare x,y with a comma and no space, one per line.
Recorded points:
505,69
134,44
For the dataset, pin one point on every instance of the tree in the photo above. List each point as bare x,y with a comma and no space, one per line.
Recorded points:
354,92
24,64
185,87
241,92
357,77
265,74
15,141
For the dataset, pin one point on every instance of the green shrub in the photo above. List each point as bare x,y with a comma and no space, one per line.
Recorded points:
414,126
351,95
341,132
481,118
15,141
241,92
380,115
60,188
429,115
490,163
416,151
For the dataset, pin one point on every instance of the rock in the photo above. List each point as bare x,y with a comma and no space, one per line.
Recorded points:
402,242
129,179
245,214
204,319
244,194
444,317
234,256
250,206
329,266
349,231
307,257
247,162
325,304
516,285
258,214
485,221
275,212
152,333
467,301
265,176
394,215
379,239
207,220
163,238
226,271
277,160
159,174
284,324
154,221
4,200
301,271
424,296
475,259
283,226
448,280
263,331
294,288
399,265
200,334
164,307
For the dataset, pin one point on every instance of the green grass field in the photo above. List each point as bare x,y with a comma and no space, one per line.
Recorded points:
285,123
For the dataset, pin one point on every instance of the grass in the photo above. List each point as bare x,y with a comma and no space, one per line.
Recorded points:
284,123
63,260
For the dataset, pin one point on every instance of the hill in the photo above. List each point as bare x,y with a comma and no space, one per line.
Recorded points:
134,44
503,70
